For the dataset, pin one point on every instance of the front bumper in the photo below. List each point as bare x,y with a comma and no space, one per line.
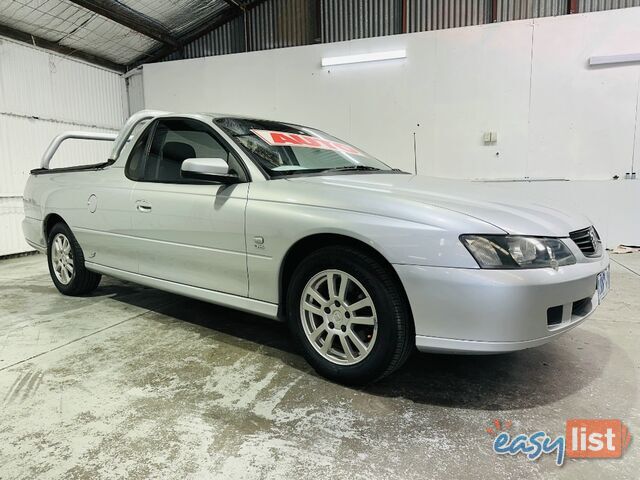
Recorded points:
461,310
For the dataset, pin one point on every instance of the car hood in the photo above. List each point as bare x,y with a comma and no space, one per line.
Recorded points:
491,202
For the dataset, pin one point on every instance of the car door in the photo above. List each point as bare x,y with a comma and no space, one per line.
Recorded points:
188,231
102,222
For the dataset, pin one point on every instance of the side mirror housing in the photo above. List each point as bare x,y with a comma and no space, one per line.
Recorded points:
208,169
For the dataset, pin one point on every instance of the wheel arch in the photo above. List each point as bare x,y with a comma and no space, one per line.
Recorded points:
313,242
49,221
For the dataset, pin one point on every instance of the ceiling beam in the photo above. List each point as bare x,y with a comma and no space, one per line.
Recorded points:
234,4
223,17
136,21
27,38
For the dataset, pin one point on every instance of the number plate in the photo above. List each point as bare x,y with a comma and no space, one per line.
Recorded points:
603,282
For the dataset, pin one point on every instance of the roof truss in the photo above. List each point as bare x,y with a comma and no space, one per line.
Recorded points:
24,37
130,18
223,17
136,21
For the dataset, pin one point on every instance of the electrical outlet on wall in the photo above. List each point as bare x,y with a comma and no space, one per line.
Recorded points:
490,137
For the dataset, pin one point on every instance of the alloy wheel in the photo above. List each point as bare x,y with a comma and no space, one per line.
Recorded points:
339,317
62,259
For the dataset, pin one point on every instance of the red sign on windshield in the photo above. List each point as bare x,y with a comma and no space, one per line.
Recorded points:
284,139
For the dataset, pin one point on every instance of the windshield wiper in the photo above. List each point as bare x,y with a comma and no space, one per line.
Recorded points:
296,171
363,168
303,171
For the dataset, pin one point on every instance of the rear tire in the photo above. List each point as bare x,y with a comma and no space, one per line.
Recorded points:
66,263
356,331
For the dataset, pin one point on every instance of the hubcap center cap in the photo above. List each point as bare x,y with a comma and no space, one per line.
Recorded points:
337,317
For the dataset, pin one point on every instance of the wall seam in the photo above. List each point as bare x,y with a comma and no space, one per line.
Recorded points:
531,56
635,130
55,120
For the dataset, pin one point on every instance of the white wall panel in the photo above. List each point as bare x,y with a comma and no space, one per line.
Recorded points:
527,80
583,118
41,95
11,238
24,140
481,83
135,91
635,162
37,83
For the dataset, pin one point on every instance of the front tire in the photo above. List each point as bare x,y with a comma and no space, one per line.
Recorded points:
350,316
66,263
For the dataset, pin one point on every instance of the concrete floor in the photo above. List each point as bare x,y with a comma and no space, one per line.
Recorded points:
137,383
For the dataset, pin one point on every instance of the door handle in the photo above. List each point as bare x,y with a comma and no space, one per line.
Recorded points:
143,206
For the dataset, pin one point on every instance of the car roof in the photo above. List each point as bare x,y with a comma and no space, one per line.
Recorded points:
209,115
244,117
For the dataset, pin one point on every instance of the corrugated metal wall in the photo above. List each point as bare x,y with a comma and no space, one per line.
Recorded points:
227,39
286,23
273,24
434,15
521,9
359,19
281,23
49,94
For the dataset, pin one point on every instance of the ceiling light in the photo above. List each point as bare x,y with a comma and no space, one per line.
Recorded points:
364,57
609,59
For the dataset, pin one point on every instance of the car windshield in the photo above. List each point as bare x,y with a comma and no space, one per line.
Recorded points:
285,149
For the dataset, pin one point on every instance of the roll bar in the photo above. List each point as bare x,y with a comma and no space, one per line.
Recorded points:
55,143
119,139
131,123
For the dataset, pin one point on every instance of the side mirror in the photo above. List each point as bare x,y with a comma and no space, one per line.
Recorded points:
208,169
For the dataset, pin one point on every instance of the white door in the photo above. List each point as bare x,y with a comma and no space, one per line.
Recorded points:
186,231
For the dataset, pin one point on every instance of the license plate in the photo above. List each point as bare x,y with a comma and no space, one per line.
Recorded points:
603,282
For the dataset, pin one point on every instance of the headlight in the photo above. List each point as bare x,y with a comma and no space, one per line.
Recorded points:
506,251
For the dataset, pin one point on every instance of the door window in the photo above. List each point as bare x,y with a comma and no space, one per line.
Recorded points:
173,141
135,164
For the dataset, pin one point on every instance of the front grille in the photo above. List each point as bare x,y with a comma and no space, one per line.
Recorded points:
587,241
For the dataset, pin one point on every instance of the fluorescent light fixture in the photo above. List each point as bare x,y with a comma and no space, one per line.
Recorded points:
364,57
609,59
